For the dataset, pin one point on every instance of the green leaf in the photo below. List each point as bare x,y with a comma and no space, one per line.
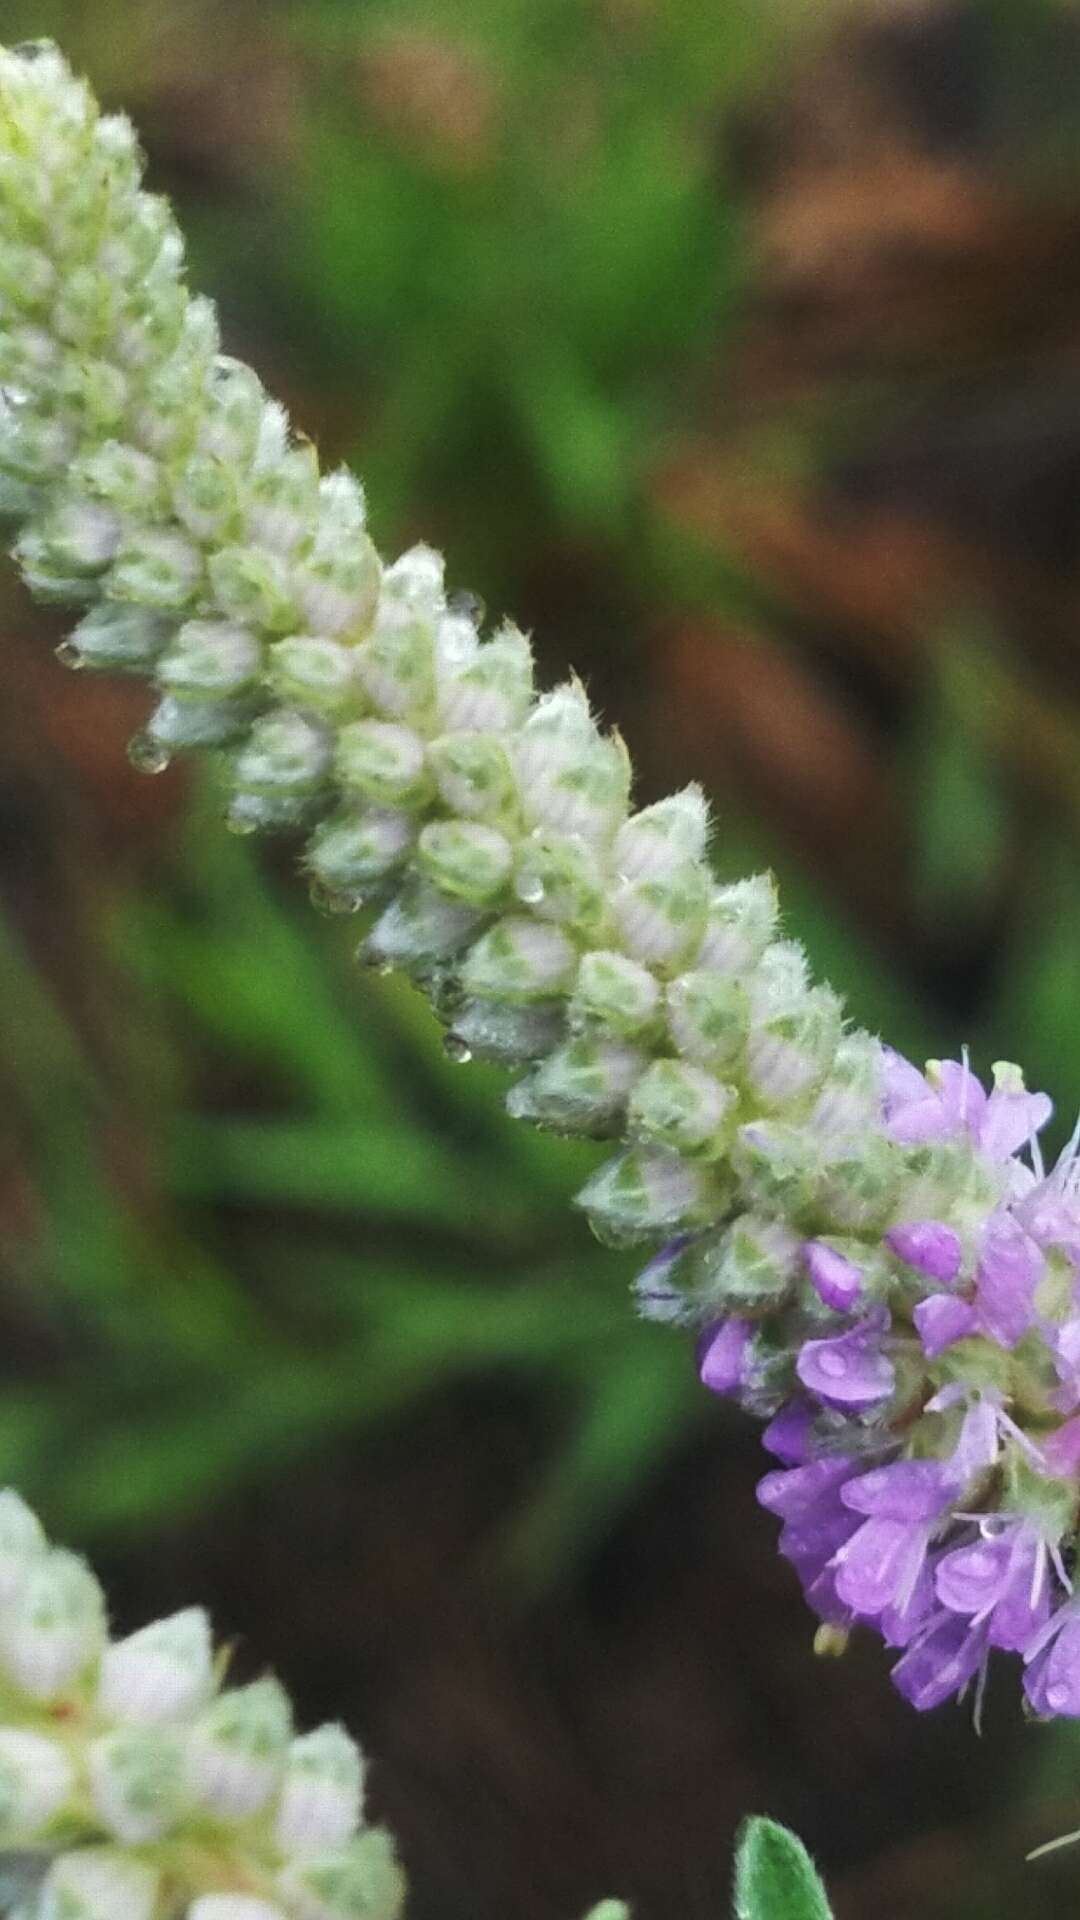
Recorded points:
775,1878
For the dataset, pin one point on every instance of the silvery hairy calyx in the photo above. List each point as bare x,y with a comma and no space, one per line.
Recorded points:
874,1259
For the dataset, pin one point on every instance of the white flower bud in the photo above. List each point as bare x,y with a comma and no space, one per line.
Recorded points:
858,1188
155,569
645,1191
36,1780
352,851
206,498
569,777
284,752
660,920
163,1672
418,929
314,672
322,1793
337,590
612,991
209,657
469,861
384,762
741,921
396,663
177,725
683,1107
519,960
282,494
708,1018
415,579
849,1103
137,1783
473,774
22,1542
560,877
788,1053
360,1882
98,1883
77,538
486,689
234,1906
750,1264
237,1749
231,413
492,1030
670,833
582,1087
54,1626
252,587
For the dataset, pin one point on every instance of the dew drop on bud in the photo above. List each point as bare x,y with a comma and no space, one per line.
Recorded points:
532,892
468,604
457,1050
69,655
147,754
240,823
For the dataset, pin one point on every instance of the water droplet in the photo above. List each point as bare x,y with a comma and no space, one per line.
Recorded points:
531,889
69,655
147,753
334,900
468,604
240,822
457,1049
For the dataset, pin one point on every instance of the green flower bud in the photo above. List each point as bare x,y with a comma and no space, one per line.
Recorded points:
206,497
137,1783
282,496
747,1267
776,1165
384,762
858,1188
155,568
482,688
469,861
99,1883
569,777
683,1107
37,1781
253,587
176,726
315,673
672,832
741,922
612,991
581,1087
660,919
231,413
646,1191
560,877
351,852
708,1019
519,959
361,1882
473,775
280,766
236,1750
789,1051
396,663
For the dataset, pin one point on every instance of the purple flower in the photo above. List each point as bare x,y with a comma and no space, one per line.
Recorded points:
836,1280
942,1658
929,1246
1001,1578
816,1524
1010,1267
849,1370
918,1108
941,1320
1052,1680
723,1355
789,1433
880,1566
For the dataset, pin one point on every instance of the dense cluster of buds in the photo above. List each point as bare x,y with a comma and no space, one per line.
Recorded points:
141,1789
875,1259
